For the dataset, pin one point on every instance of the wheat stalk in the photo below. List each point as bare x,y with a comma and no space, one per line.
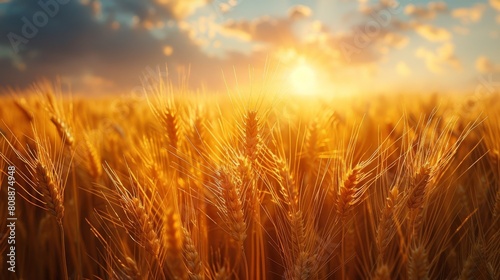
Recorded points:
52,192
317,222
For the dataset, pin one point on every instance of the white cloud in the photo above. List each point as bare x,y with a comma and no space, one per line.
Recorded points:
432,33
395,40
225,7
485,65
495,4
468,15
403,69
299,12
443,57
267,29
426,12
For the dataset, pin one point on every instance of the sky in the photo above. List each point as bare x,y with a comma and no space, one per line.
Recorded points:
335,46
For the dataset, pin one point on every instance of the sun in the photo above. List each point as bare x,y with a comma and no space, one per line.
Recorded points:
303,79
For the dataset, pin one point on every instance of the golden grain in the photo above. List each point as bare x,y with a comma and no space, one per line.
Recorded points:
202,188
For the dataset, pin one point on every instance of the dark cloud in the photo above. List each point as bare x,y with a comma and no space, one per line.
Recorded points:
74,43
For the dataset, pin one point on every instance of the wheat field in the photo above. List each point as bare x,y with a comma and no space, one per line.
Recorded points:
179,184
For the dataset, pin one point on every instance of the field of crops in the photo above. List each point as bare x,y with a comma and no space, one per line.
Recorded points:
187,185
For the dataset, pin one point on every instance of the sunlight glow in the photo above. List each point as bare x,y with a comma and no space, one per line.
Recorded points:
303,79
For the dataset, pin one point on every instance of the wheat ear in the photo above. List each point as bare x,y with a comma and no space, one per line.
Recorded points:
142,222
385,228
51,192
53,196
130,269
252,136
349,195
418,186
171,125
94,159
173,238
21,105
350,192
418,266
233,208
415,203
192,258
496,207
64,130
382,272
304,266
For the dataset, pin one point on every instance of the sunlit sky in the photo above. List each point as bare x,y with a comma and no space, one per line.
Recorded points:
348,45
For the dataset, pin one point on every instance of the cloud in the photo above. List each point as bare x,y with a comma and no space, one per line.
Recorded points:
426,12
227,6
400,25
395,40
268,29
468,15
202,30
320,44
403,69
495,4
391,6
110,44
156,11
443,57
364,44
432,33
264,29
485,65
75,43
299,12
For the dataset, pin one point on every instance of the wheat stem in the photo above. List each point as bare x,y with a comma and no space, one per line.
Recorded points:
63,251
